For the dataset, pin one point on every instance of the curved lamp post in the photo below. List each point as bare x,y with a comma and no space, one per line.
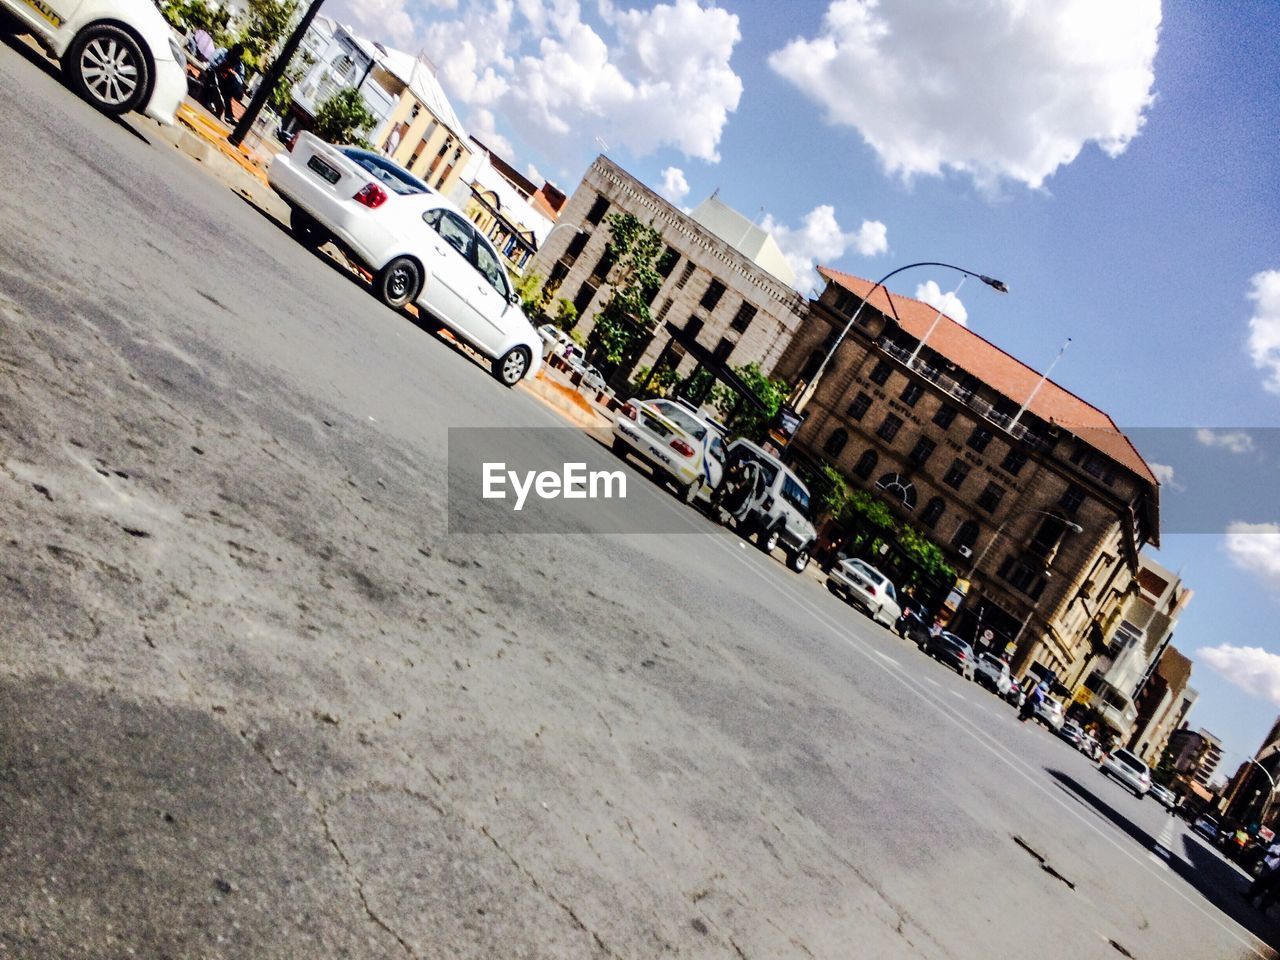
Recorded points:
997,285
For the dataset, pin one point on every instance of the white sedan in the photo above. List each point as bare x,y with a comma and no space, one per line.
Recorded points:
119,55
418,246
675,441
866,587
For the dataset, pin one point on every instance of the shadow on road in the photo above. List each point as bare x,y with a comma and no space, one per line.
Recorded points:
1213,878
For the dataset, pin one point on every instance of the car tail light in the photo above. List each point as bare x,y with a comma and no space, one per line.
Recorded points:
630,411
682,448
371,195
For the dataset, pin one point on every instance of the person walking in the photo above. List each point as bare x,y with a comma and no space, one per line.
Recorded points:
1265,889
1034,699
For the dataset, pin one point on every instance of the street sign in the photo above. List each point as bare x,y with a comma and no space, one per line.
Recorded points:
988,636
785,424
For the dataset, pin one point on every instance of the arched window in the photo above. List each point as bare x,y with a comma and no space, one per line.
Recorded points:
866,464
835,443
933,511
966,536
899,487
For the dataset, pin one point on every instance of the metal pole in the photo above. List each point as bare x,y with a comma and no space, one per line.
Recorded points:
1043,377
915,354
273,75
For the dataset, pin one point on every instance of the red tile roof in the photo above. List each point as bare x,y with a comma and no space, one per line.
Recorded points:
1003,373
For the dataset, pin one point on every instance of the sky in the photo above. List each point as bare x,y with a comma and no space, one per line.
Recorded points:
1114,163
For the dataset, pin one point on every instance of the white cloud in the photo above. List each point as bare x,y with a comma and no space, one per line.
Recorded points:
484,129
534,174
674,186
1233,441
1264,327
821,239
998,89
1252,669
948,302
1165,474
656,77
1255,547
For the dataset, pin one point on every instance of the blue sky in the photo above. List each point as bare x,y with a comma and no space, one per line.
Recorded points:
1143,248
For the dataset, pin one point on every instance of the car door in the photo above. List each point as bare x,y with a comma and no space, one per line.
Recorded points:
490,297
445,292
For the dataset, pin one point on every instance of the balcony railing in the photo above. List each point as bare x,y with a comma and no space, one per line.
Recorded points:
954,388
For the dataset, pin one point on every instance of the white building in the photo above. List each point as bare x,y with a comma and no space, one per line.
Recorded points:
337,58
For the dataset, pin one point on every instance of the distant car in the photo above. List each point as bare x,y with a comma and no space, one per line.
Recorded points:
1207,826
1128,769
1090,747
781,515
993,673
554,339
119,55
1049,712
592,379
680,446
1164,796
418,246
949,649
1071,732
866,588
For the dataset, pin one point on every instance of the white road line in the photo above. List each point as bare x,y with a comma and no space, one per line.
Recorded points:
931,680
1003,754
957,693
889,658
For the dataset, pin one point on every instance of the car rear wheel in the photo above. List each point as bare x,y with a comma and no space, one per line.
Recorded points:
397,284
768,539
308,232
511,367
107,66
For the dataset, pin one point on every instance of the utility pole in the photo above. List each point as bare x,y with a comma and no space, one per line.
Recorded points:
273,75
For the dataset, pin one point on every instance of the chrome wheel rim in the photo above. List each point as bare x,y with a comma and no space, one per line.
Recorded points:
771,540
513,366
398,282
109,70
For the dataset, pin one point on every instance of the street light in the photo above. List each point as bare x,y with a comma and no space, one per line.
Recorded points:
997,285
1262,817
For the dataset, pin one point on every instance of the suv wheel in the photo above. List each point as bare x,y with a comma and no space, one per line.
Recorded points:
799,560
768,538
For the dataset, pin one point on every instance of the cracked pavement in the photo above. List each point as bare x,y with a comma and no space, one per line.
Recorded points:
255,701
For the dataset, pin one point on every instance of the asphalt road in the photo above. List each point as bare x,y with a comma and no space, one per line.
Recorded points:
256,700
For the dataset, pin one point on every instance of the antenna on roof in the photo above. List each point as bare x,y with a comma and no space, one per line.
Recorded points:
1043,377
715,193
604,147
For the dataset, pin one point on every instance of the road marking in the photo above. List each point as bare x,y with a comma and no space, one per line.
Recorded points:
957,693
889,658
931,680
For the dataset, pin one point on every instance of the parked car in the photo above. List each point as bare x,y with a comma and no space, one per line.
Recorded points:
993,673
780,515
418,246
555,340
1016,695
119,55
592,379
1164,796
1128,769
1090,747
1207,826
1049,712
866,588
1071,732
678,445
949,649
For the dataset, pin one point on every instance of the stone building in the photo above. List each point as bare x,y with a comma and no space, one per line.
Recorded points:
1163,705
997,465
1251,793
1196,754
725,286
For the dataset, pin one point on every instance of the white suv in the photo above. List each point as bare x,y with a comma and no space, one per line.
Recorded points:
120,55
993,673
780,513
1129,770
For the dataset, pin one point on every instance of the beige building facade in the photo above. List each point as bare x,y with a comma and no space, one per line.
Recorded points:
422,132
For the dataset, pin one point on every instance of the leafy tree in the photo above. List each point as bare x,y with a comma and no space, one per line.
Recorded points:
282,95
831,491
192,15
925,553
634,247
266,23
867,512
343,118
529,289
566,314
744,419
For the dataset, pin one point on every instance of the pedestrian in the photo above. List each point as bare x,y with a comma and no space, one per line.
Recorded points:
1034,699
1266,888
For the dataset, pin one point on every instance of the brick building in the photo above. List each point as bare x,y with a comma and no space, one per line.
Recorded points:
1163,705
941,433
721,284
1196,755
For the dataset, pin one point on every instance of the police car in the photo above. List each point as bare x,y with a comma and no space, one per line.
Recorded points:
680,445
120,55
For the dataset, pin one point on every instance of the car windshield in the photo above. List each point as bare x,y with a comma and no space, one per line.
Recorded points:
400,180
681,418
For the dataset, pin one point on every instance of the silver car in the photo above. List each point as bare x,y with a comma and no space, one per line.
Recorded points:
1128,769
865,587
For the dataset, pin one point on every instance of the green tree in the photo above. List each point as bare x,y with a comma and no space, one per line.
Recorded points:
634,247
743,418
532,300
282,95
566,314
266,23
831,491
925,553
191,15
343,118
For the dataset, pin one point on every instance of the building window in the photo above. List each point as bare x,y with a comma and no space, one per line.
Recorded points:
693,326
922,451
866,464
990,498
715,290
1023,576
597,211
889,429
1072,499
955,476
742,319
1014,461
583,299
662,313
966,535
932,513
724,348
881,373
575,246
835,443
685,274
667,262
845,302
979,439
911,393
601,270
859,406
900,488
944,416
